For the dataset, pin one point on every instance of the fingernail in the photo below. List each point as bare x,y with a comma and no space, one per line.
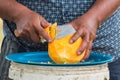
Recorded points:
71,41
49,23
50,40
79,52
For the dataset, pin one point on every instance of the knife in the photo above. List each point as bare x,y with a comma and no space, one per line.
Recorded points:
61,31
64,30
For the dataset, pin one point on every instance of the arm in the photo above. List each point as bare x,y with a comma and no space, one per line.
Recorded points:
28,22
11,10
102,9
86,25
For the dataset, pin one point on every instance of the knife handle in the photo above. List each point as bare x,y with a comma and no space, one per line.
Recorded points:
16,33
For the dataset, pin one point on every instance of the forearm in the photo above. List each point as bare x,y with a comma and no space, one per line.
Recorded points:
12,10
102,9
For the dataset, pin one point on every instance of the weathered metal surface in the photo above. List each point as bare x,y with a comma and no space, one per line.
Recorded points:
31,72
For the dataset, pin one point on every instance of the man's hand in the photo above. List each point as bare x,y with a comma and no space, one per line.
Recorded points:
86,25
86,28
31,25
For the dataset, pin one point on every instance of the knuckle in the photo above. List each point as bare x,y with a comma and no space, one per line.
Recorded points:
77,35
20,31
41,31
79,31
82,48
75,38
26,29
87,40
34,24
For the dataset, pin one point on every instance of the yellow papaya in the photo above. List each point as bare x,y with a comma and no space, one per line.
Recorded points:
60,50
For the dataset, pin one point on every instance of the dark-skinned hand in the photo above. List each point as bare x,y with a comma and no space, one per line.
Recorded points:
86,27
30,26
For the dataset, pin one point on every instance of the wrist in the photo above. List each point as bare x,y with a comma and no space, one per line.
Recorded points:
93,18
94,15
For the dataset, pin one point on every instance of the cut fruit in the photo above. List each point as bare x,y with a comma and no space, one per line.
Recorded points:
61,51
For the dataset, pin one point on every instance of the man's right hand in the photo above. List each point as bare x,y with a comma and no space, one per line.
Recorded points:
30,26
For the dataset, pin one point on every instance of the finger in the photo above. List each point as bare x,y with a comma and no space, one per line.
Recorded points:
44,23
76,36
43,33
84,44
33,35
74,26
88,50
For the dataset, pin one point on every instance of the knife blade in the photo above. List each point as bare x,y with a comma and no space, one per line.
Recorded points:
64,30
61,31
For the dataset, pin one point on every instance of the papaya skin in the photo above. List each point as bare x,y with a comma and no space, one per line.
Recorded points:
61,51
